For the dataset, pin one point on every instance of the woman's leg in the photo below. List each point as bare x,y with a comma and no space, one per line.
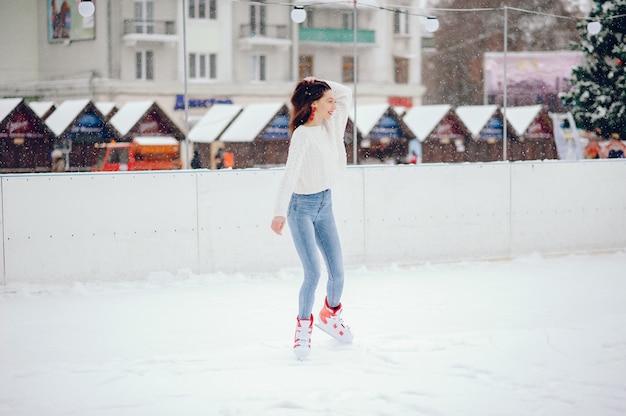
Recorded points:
328,241
303,210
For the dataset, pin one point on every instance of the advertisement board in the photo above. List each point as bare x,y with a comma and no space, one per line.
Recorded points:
65,23
531,77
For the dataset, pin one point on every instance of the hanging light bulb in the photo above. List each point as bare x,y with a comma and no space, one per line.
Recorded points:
432,24
298,14
594,27
86,8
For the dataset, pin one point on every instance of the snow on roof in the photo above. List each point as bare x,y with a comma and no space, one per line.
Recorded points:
130,113
367,115
41,107
252,119
521,117
154,140
423,119
105,107
65,113
475,117
7,105
213,123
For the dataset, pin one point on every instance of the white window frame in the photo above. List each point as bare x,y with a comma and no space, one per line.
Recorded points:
202,66
400,22
144,65
259,68
144,16
207,12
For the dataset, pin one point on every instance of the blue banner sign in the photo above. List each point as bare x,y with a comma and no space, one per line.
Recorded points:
199,103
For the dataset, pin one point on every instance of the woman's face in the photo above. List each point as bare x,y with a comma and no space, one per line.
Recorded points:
325,105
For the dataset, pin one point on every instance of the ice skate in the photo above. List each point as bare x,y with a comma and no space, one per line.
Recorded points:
330,322
302,338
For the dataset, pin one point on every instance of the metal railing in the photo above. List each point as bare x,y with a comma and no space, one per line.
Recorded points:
265,31
149,27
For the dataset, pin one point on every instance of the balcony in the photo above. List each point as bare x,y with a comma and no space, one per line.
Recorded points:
263,35
327,35
160,31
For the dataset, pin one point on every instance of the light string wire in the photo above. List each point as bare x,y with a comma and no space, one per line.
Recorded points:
430,11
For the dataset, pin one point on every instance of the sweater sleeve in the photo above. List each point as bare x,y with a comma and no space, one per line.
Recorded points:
343,97
337,124
295,157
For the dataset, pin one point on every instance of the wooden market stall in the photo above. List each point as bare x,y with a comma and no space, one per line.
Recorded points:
440,134
26,142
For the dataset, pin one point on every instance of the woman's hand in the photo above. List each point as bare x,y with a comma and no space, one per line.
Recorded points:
309,79
277,224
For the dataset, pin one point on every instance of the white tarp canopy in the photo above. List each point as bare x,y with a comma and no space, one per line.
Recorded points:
7,105
252,119
367,115
214,122
41,107
476,117
423,119
129,115
521,117
67,112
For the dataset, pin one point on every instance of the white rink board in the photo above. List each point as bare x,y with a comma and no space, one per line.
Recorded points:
568,207
115,226
91,227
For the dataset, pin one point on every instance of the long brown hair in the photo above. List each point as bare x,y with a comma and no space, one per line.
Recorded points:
304,94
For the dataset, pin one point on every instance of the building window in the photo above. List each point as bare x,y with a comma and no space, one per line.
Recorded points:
202,66
347,69
401,70
347,21
144,16
257,18
202,9
305,66
401,22
258,68
144,65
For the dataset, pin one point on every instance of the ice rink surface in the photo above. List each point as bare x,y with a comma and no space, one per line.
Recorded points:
528,336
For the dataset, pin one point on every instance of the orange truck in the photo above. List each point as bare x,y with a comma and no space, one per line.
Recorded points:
142,153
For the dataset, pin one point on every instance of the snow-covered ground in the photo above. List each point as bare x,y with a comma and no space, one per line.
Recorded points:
529,336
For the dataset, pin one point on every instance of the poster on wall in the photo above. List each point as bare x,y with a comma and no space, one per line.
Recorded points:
532,77
65,23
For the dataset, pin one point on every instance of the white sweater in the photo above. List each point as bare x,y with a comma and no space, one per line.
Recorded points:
317,155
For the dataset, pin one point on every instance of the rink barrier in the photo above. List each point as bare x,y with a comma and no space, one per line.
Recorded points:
119,226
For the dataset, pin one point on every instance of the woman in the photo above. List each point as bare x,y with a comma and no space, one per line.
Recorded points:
316,161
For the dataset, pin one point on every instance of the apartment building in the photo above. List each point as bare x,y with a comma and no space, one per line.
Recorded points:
240,51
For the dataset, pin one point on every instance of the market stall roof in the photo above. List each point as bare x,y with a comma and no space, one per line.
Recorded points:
143,118
251,122
107,108
65,114
214,122
7,105
367,115
423,119
476,117
129,115
43,109
522,117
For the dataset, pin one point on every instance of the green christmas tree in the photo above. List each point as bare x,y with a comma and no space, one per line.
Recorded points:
597,97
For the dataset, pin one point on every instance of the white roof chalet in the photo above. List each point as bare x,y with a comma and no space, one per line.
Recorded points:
250,122
65,114
423,119
214,122
129,115
476,117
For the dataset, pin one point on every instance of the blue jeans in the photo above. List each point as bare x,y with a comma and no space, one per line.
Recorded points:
312,224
